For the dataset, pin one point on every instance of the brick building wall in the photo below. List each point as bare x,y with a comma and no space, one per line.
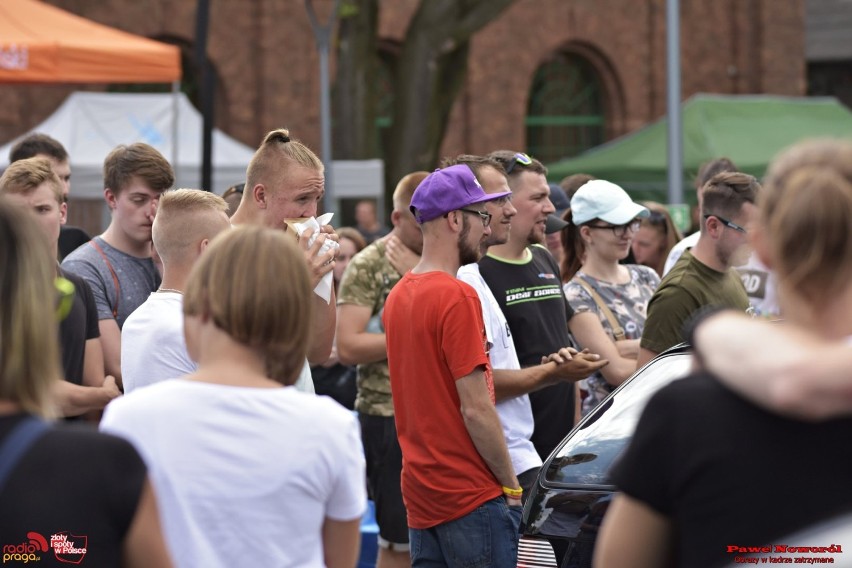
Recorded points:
267,63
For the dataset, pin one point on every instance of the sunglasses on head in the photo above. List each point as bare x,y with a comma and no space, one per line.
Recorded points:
518,158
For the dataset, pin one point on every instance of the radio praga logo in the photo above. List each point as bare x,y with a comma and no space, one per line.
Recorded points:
28,551
67,548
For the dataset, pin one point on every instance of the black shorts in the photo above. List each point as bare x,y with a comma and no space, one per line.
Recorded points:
384,467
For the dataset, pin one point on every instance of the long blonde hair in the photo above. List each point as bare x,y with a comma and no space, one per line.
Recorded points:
806,207
29,350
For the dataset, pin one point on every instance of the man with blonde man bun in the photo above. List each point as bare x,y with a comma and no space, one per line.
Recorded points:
153,348
285,181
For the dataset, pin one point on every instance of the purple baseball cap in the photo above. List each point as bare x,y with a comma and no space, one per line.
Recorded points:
446,190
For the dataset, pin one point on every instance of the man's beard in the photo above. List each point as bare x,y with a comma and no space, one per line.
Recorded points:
467,253
533,237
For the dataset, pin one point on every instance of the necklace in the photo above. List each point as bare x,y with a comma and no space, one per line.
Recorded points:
170,290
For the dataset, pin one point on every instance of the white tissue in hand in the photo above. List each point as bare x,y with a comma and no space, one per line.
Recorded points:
315,224
323,289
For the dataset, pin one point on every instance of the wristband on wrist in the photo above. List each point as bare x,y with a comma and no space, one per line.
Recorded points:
513,493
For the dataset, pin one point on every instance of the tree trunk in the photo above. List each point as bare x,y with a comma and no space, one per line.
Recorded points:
431,71
355,93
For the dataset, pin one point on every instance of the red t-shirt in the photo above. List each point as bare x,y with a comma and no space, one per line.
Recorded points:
435,335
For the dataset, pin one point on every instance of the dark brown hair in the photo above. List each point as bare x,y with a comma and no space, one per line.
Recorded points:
37,144
726,193
137,160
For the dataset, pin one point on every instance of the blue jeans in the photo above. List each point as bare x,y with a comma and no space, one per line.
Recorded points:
485,537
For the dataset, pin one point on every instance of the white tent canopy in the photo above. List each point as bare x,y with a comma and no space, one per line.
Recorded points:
90,125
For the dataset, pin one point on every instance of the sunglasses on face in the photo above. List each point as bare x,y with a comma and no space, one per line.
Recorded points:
727,223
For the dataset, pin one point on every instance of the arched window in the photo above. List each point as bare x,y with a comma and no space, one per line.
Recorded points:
566,109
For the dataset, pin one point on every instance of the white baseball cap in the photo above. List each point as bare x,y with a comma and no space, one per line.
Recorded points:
601,199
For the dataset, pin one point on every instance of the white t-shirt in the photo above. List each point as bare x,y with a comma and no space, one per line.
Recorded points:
515,413
244,476
153,348
677,250
761,287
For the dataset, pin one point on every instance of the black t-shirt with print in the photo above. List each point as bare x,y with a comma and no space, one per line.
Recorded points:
727,473
530,294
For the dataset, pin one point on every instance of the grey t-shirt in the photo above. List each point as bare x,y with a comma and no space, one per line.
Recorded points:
136,278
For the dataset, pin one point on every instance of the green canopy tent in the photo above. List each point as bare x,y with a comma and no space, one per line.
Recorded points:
748,129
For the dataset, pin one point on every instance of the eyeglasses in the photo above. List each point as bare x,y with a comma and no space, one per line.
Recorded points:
518,158
64,297
727,223
484,215
619,230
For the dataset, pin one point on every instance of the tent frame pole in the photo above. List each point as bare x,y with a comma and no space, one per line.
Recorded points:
175,120
323,35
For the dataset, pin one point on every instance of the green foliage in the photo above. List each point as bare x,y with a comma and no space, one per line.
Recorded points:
348,9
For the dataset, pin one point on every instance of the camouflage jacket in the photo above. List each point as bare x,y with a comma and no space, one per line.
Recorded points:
367,282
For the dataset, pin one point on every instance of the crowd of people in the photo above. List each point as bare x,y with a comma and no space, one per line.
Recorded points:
468,339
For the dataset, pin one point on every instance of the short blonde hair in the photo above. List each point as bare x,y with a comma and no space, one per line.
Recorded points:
24,176
29,349
275,154
405,190
253,283
805,208
185,217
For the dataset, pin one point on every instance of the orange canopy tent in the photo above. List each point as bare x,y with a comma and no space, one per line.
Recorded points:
40,43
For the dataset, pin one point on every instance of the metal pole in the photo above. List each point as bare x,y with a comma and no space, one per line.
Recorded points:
322,35
675,134
206,92
325,122
175,122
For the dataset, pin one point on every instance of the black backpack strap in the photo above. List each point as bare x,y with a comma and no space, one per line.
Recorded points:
19,440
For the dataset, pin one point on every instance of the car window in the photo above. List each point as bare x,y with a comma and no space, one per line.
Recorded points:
588,455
